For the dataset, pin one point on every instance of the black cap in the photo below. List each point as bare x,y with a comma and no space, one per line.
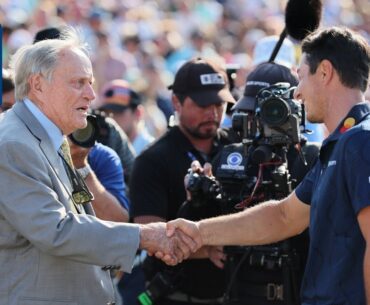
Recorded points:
264,75
204,81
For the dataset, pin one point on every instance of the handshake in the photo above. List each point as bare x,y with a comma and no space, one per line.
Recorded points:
171,242
176,240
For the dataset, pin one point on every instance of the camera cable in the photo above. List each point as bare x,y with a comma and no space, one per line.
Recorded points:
226,297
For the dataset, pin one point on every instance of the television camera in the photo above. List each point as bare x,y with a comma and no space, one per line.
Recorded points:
255,170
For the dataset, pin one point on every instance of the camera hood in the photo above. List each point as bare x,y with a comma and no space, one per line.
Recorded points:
86,137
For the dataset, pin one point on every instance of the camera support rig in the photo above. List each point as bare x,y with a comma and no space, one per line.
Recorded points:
253,171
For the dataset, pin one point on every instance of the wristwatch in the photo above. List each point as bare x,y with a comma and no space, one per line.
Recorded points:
84,171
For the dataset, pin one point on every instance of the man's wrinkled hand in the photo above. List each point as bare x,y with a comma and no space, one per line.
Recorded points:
170,249
186,228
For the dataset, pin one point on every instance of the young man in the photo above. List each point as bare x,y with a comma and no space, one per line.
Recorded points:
334,197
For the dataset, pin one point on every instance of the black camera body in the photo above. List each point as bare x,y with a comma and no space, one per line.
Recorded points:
202,188
279,116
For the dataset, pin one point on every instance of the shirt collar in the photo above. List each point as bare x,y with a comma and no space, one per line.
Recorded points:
51,129
354,116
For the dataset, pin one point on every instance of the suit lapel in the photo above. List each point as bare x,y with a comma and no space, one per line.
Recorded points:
46,146
45,142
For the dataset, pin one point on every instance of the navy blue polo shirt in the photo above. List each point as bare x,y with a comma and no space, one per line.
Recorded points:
337,188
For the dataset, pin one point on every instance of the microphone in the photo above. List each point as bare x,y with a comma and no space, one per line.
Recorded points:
301,18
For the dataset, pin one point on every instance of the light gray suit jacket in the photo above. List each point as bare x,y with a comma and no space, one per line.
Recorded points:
48,253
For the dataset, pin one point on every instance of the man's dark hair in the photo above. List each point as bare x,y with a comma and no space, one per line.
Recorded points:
347,51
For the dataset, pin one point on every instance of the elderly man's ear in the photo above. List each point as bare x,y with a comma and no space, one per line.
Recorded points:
37,85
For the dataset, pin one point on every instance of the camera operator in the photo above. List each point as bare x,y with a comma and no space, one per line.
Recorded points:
261,278
333,198
113,136
200,92
101,169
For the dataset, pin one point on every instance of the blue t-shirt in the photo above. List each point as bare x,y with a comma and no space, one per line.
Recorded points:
337,188
107,167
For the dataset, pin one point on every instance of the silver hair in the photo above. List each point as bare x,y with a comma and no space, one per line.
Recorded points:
42,58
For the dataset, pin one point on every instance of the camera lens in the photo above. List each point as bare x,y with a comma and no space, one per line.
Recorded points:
274,111
87,136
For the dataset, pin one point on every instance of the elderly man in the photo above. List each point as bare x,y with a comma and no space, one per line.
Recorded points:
52,248
334,197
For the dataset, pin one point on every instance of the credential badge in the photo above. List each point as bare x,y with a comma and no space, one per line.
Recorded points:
212,79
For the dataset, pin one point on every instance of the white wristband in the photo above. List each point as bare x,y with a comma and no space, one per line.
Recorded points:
84,171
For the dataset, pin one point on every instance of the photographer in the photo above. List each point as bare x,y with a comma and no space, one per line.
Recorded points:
102,171
257,275
112,135
200,92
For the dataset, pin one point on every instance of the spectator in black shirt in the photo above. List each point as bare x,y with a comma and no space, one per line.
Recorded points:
200,93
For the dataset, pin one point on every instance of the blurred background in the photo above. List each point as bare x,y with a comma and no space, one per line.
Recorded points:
144,42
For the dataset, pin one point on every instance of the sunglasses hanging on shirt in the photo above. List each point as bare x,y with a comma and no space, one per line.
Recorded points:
81,193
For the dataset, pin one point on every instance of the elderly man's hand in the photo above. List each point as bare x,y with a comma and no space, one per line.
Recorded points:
185,228
171,249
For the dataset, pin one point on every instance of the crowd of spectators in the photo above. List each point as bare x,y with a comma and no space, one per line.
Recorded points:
137,46
145,42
